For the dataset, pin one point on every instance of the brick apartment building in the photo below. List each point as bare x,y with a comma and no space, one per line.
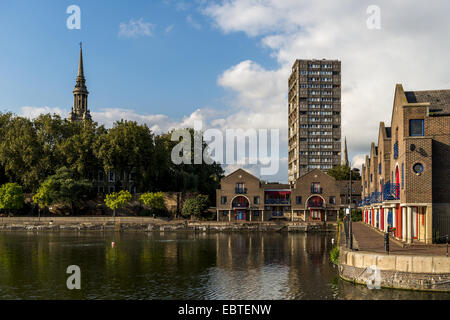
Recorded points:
406,178
315,196
314,121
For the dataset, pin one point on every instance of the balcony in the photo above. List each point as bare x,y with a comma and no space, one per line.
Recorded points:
240,190
277,201
375,197
391,191
316,190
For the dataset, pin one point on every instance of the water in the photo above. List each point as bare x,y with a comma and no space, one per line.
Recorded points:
178,266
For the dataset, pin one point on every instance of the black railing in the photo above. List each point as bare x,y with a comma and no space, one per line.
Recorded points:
391,191
241,190
316,190
277,201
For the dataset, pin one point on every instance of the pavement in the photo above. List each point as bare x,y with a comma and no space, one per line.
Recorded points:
369,239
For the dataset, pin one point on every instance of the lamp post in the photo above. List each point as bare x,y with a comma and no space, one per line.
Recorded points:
350,207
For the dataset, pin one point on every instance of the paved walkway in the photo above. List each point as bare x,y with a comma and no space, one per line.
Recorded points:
369,239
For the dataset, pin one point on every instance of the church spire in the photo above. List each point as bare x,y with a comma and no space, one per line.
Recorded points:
80,63
345,157
80,109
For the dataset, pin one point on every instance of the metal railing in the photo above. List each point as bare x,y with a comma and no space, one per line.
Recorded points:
240,190
391,191
277,201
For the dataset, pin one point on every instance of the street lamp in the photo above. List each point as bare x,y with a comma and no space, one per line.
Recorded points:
350,206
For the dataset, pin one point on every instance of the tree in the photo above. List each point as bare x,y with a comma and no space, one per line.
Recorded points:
117,200
77,151
126,147
342,172
11,197
195,206
63,187
154,200
20,152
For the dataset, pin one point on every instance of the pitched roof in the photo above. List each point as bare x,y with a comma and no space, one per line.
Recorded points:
439,100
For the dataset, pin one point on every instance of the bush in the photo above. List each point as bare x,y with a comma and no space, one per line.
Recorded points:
195,206
11,197
334,255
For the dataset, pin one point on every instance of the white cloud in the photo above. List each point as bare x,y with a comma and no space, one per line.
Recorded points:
193,22
135,28
34,112
408,49
169,28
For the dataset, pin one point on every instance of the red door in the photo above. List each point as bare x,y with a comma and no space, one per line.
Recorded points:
382,219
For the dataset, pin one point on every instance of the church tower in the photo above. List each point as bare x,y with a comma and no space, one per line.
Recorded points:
80,109
345,158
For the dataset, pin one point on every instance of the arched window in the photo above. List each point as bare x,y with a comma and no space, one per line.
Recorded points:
315,202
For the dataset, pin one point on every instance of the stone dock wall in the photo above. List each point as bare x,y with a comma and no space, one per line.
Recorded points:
412,272
151,224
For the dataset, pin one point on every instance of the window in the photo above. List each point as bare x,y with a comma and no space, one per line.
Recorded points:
403,175
223,200
240,188
298,199
371,177
379,168
315,187
111,176
418,168
256,200
224,212
112,189
332,200
256,213
100,176
416,127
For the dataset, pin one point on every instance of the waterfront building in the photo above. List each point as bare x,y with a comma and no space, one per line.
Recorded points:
406,177
314,117
315,196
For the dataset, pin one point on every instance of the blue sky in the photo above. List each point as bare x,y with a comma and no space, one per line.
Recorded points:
173,71
225,62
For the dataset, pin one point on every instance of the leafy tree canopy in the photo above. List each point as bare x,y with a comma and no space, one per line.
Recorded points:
154,200
63,187
11,196
195,206
343,173
118,200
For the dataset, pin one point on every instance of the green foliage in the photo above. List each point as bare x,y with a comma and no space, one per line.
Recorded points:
63,187
154,200
118,200
31,151
42,197
334,255
343,173
195,206
11,196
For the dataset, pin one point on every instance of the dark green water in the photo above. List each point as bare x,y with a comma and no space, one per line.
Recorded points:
178,266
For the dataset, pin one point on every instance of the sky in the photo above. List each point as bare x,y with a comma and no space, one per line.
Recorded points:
167,63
